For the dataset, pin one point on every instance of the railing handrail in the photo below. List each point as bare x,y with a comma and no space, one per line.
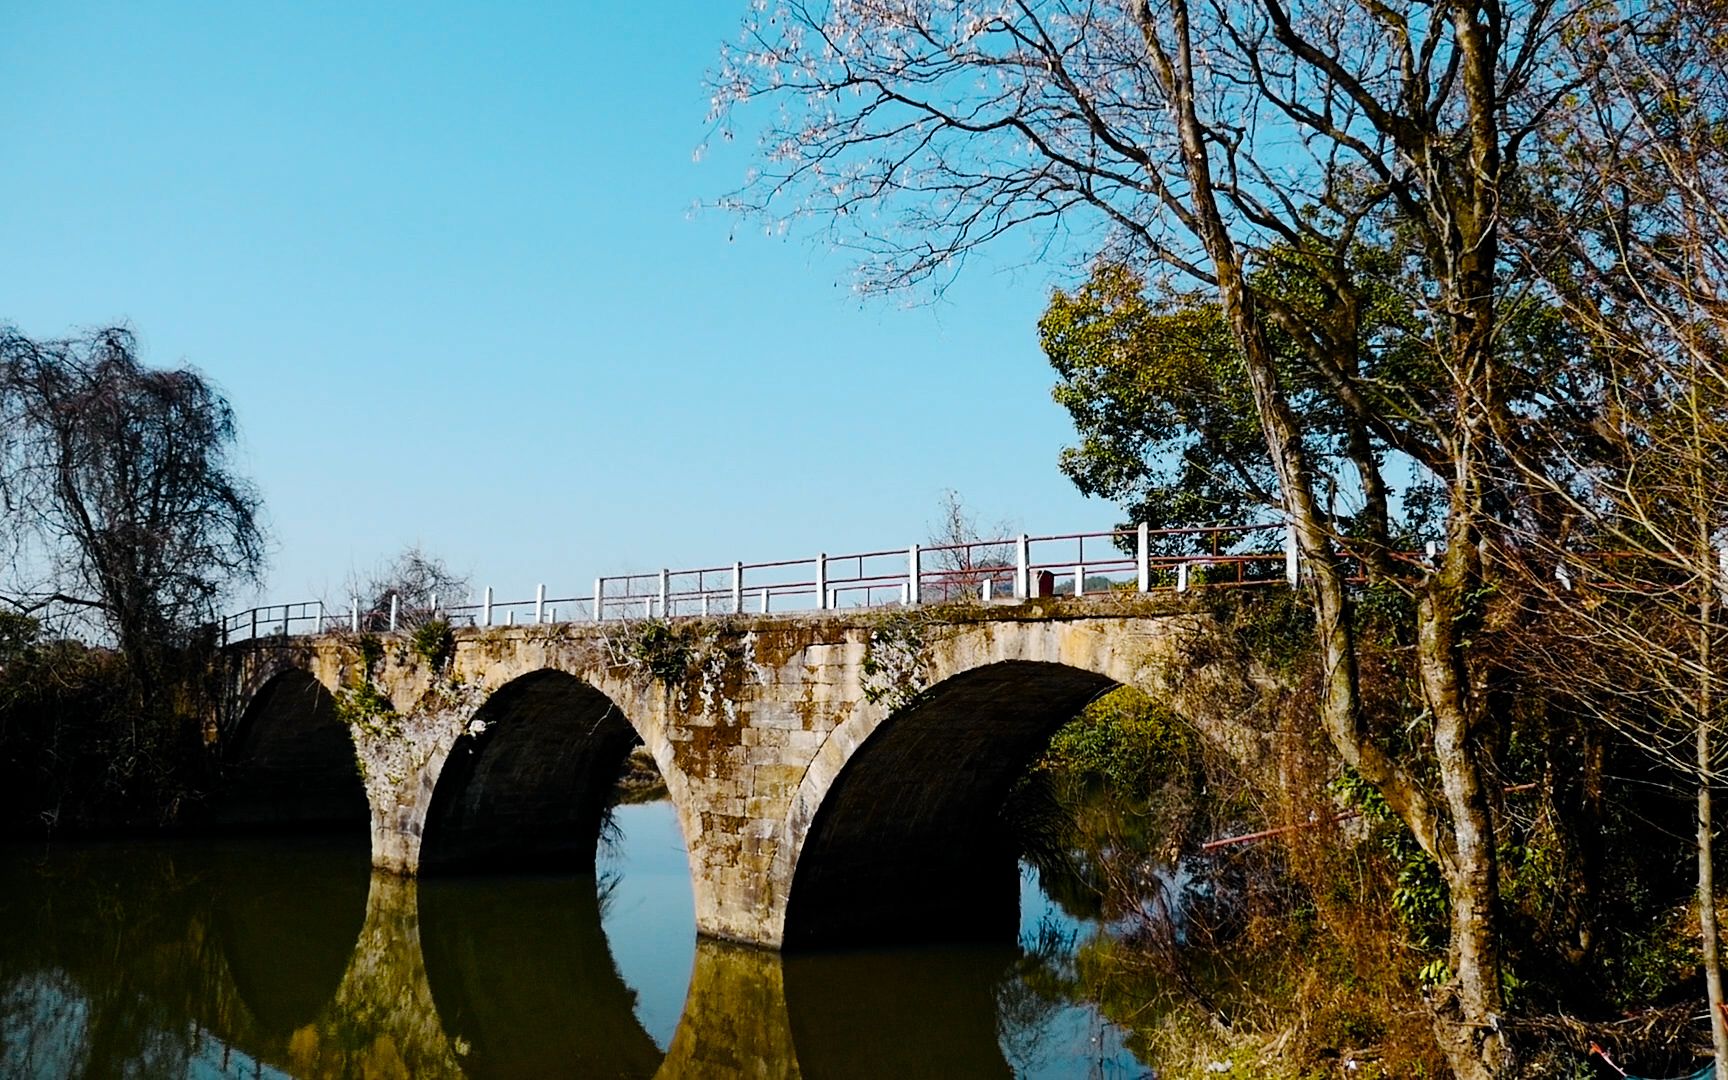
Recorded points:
669,592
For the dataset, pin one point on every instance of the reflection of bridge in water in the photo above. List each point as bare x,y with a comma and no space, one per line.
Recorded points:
316,968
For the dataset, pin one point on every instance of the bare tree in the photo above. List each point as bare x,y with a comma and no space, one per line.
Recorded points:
962,557
116,481
419,586
1233,146
1631,238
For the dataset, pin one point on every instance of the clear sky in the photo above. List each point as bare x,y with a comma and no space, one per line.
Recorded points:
445,265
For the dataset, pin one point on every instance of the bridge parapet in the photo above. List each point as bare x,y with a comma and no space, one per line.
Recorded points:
1012,568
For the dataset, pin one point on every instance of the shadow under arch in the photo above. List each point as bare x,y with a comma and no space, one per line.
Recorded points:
908,843
292,762
524,981
530,790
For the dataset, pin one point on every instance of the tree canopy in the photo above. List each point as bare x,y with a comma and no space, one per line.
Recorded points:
119,490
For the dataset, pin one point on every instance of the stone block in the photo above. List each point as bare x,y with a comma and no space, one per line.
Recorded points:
767,754
775,781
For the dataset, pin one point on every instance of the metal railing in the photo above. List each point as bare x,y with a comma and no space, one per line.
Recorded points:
982,571
277,620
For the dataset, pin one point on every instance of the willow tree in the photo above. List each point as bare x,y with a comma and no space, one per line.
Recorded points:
1212,143
116,481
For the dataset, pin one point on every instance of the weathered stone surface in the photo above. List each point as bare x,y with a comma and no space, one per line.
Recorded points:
844,768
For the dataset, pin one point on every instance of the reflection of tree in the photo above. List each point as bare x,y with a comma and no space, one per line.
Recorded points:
42,1026
138,962
117,965
1039,986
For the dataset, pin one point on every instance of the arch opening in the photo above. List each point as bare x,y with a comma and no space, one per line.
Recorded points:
293,765
910,843
531,789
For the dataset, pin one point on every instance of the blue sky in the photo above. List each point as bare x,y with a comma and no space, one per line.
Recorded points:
446,268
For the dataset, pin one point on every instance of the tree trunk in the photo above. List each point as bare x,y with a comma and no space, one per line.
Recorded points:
1463,845
1469,1029
1706,859
1707,908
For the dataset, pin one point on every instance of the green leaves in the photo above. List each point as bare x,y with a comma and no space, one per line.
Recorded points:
1160,401
1126,740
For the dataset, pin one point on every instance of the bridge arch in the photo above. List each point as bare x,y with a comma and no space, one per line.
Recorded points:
528,786
290,761
908,843
909,789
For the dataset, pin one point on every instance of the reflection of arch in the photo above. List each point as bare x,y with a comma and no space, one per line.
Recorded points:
531,789
524,982
907,842
288,919
292,761
926,1012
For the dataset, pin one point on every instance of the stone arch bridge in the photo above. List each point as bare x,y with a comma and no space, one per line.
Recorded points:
838,776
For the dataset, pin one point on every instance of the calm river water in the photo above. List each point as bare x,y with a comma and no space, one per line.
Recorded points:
276,957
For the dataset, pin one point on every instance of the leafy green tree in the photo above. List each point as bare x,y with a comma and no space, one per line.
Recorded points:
1158,397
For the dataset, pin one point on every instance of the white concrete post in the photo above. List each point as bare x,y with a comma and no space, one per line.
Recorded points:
1143,555
704,605
254,623
599,598
665,592
434,605
833,599
737,588
905,592
1023,571
764,601
354,614
1079,579
822,582
395,604
914,586
1290,568
984,590
486,608
647,607
1182,577
510,617
539,604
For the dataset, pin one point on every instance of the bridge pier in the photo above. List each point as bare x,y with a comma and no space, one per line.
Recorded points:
401,770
